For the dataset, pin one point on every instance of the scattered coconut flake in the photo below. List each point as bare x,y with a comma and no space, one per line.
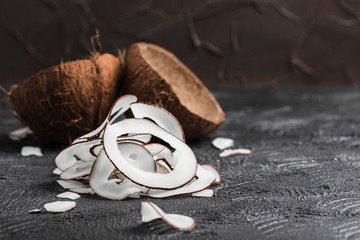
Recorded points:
57,171
30,150
36,210
222,143
149,211
70,195
204,193
230,152
60,206
19,134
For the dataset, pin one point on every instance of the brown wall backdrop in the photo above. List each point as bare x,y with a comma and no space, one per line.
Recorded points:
247,43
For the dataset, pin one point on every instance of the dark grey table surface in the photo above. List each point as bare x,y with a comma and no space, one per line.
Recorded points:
301,182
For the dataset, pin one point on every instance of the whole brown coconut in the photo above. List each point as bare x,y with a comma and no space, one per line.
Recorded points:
66,101
156,76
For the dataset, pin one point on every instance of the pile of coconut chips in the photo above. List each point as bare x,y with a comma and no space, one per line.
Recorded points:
145,155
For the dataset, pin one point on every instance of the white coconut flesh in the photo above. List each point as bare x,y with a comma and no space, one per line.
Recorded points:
183,172
113,188
19,134
204,193
60,206
57,171
160,116
161,152
78,170
143,138
149,211
68,157
204,179
70,195
119,107
231,152
222,143
212,169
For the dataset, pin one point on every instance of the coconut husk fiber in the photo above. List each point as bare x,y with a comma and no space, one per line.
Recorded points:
66,101
156,76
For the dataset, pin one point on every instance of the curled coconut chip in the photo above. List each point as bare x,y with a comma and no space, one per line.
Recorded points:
149,211
59,206
119,159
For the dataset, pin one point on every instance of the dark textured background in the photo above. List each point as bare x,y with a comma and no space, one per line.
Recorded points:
301,182
248,43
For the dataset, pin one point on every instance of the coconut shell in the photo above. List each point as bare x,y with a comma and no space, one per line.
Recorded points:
66,101
156,76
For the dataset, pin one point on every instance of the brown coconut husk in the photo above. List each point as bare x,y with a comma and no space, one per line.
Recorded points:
66,101
156,76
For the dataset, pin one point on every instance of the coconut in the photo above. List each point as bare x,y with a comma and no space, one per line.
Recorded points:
156,76
66,101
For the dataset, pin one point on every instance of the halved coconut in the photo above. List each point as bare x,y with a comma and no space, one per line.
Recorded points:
183,172
230,152
204,179
114,189
149,211
156,76
60,206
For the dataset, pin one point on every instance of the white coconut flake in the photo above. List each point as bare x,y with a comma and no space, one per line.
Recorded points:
70,195
36,210
149,211
57,171
19,134
60,206
230,152
30,150
222,143
204,193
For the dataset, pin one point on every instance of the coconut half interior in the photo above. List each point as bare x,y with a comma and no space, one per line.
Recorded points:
191,92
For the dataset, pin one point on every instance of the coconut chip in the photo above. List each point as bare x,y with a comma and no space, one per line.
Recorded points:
29,151
222,143
149,211
204,193
69,195
230,152
57,171
36,210
19,134
60,206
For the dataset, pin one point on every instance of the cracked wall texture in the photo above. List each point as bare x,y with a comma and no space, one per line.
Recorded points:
247,43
